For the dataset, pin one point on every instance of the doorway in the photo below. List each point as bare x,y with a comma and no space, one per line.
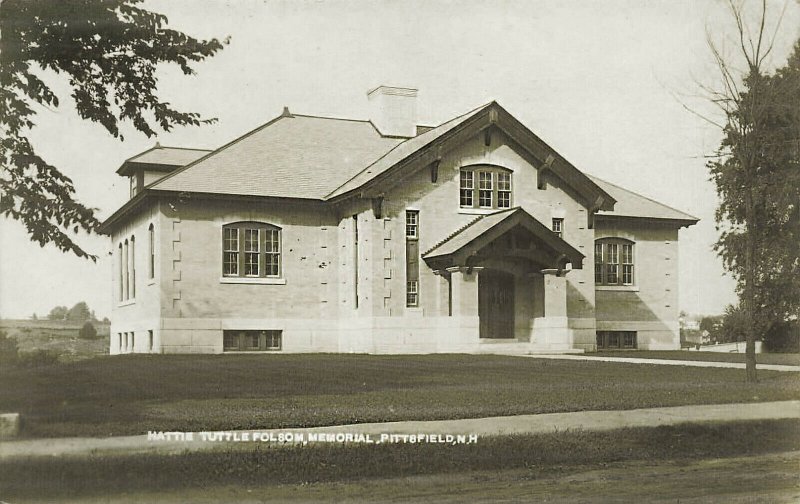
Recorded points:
496,304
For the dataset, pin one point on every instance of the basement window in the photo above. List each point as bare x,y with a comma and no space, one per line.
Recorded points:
616,340
252,341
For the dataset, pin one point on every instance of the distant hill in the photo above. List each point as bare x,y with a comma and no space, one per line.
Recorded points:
57,335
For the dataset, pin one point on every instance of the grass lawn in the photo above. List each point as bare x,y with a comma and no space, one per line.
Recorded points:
132,394
229,475
788,359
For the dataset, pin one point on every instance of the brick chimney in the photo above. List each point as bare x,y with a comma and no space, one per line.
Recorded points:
393,110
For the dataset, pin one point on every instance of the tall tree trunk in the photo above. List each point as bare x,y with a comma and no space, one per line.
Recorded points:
749,288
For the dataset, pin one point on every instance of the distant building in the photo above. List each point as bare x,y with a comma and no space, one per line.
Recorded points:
315,234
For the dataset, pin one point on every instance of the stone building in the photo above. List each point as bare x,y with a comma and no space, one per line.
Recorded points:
316,234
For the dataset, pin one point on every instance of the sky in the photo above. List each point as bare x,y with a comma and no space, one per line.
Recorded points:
614,86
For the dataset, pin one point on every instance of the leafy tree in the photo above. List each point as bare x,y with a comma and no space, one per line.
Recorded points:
80,312
109,51
735,325
87,331
34,316
758,181
58,313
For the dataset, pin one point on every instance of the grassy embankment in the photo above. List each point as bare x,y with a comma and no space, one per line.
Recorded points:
223,474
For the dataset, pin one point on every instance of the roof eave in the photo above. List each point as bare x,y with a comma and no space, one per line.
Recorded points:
673,221
108,225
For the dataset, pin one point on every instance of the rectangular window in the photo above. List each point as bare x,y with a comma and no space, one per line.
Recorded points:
134,185
151,270
230,340
252,341
467,189
627,264
251,249
558,227
612,266
133,268
230,252
629,339
355,262
133,341
274,340
412,293
503,190
412,258
615,340
598,263
485,189
272,249
412,224
149,341
119,343
120,276
127,274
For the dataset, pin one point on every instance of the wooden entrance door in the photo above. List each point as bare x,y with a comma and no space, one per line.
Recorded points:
496,304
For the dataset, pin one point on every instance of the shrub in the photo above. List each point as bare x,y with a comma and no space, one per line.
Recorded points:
9,353
87,331
38,358
783,337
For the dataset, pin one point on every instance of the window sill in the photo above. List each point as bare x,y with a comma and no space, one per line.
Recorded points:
127,303
256,281
480,211
622,288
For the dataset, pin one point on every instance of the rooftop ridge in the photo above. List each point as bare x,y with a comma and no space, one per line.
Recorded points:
178,148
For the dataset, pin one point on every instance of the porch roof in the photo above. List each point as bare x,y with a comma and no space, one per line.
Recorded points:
477,234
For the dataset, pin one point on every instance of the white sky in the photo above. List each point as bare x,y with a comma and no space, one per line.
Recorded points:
601,82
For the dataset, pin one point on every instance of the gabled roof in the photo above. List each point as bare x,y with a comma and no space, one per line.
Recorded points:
633,205
484,229
161,159
292,156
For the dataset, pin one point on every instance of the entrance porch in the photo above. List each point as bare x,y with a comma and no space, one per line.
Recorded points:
505,281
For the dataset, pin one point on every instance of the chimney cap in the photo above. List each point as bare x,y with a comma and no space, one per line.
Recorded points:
286,112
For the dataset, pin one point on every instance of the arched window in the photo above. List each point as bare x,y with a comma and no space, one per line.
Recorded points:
151,263
126,276
121,289
484,186
251,249
613,262
133,266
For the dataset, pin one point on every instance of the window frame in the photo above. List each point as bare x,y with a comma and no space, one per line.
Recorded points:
617,340
151,266
613,264
235,249
240,341
412,258
479,187
558,222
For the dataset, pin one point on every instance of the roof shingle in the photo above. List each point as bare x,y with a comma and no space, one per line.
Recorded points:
292,156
